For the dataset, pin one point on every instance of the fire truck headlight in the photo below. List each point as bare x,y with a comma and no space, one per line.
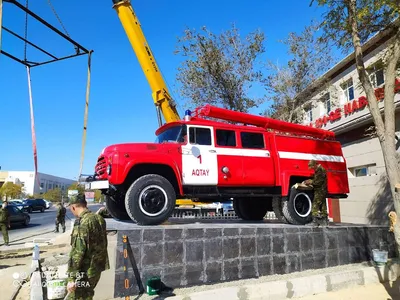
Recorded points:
225,170
109,169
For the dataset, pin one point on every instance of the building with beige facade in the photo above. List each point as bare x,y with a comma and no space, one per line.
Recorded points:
337,102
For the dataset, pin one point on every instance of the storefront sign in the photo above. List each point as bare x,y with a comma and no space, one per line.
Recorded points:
353,106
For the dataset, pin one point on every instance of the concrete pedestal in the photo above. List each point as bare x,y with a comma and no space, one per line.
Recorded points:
197,254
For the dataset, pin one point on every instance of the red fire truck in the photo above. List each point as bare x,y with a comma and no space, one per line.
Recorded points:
251,159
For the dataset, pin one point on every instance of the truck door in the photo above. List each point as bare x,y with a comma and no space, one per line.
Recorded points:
199,157
258,166
229,154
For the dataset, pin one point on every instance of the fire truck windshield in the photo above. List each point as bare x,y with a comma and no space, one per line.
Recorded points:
174,134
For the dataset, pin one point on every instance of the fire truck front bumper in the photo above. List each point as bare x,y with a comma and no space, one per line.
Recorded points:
93,184
97,185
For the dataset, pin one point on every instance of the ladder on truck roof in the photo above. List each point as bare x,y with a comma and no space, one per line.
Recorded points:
263,122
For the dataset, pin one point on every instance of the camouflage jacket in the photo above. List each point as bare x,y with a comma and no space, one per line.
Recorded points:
88,256
61,212
320,180
4,216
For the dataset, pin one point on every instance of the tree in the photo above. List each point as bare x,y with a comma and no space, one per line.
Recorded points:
76,186
53,195
97,196
349,23
310,58
220,69
10,190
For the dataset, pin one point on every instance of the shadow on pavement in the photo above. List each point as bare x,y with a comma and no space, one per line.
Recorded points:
389,277
9,266
21,226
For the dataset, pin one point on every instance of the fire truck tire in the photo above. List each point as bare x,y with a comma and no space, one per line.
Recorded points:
277,206
250,209
117,210
150,200
297,209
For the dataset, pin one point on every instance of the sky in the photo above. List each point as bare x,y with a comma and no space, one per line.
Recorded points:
121,108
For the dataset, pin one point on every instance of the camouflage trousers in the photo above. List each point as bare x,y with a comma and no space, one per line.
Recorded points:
4,231
85,288
319,204
60,221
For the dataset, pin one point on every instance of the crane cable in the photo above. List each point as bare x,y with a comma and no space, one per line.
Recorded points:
86,114
28,71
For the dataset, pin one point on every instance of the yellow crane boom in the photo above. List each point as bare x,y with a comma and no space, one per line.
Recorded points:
162,99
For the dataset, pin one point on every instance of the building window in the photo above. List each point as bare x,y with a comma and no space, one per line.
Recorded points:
308,115
376,76
366,170
252,140
200,136
326,100
226,138
348,90
42,185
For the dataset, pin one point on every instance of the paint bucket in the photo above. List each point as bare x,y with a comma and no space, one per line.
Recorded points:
380,256
153,285
56,289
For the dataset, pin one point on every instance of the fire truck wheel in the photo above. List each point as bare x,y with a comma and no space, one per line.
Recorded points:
277,206
250,209
117,209
150,200
297,209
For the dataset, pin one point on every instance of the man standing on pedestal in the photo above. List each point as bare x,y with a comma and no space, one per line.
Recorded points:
319,183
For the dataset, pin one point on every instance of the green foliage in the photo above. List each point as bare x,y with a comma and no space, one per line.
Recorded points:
372,16
53,195
10,190
97,196
76,186
310,57
220,69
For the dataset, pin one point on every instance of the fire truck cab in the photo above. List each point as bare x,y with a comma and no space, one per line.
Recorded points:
215,161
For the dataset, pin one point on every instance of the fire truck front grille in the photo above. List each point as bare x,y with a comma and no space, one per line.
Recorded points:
101,166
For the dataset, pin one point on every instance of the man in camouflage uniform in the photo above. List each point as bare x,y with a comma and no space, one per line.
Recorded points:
60,218
103,212
319,183
88,256
4,222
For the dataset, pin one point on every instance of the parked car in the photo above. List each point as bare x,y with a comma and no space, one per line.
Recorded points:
19,204
48,204
35,204
17,216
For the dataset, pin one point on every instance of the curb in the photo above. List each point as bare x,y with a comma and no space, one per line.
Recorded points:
295,287
28,249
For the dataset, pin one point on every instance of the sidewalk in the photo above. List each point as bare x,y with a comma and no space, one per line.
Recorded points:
46,239
369,292
12,268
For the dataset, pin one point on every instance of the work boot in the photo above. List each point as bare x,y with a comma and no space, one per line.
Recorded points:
324,222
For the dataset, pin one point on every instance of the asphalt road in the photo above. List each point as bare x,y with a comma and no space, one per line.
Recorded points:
41,222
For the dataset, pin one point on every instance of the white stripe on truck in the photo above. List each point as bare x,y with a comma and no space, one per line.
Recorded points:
310,156
243,152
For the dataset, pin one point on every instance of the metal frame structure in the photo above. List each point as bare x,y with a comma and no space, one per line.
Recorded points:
80,50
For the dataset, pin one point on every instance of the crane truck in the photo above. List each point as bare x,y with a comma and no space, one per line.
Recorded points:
165,104
253,160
